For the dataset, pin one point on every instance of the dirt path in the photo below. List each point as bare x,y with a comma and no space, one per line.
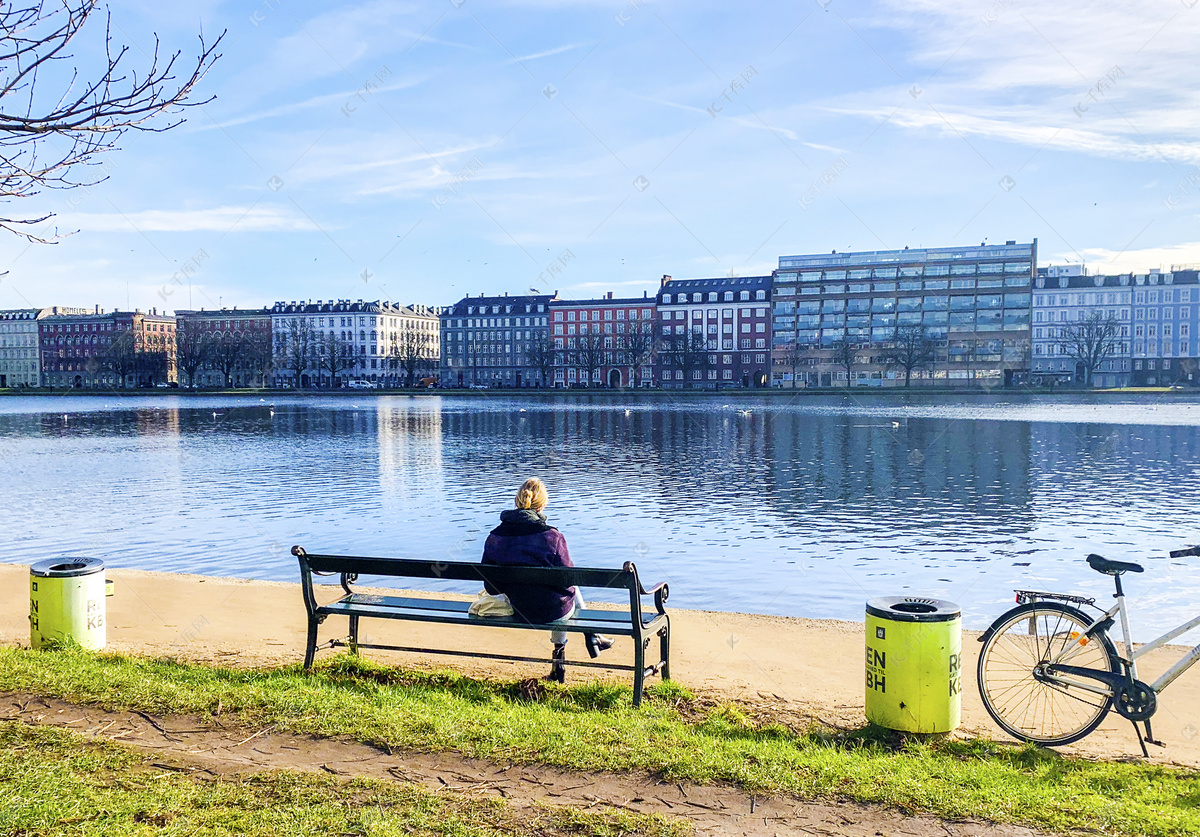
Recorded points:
192,743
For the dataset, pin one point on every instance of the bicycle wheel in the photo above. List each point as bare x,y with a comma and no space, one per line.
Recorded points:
1029,709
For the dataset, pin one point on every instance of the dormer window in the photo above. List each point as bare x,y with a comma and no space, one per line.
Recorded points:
667,298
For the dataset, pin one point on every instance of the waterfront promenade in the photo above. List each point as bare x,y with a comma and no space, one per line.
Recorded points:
790,668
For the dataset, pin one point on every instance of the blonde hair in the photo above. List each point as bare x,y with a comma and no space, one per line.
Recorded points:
532,495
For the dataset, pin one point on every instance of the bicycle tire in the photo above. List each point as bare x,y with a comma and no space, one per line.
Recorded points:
1029,710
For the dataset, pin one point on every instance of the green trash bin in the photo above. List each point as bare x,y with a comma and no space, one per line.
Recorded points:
914,654
66,600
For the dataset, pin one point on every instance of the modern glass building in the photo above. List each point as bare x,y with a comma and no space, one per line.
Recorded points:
972,303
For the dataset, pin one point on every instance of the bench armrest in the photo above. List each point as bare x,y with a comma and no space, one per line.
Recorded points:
659,591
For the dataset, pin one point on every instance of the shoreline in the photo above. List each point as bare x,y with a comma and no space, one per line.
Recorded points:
812,668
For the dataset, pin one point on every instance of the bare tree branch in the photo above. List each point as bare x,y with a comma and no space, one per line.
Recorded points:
52,123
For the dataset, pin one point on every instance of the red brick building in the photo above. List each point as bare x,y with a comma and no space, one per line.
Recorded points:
117,349
239,342
603,342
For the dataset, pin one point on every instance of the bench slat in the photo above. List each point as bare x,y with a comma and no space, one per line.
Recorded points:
586,622
453,606
464,571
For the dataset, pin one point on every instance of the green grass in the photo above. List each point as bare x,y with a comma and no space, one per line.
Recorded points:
57,782
594,727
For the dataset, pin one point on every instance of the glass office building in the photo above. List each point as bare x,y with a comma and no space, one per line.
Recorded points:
973,303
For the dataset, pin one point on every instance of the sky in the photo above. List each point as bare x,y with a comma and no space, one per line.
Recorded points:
420,152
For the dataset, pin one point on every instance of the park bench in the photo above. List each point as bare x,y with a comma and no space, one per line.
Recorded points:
631,621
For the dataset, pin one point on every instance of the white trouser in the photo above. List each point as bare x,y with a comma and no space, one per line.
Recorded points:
560,637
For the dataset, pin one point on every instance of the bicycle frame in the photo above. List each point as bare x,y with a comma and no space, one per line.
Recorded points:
1131,656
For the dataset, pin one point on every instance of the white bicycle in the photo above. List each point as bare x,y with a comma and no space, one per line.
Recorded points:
1049,672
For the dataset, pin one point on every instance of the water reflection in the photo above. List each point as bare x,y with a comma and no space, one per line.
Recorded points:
798,509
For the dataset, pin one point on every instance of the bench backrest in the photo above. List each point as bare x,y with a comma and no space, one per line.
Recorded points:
624,578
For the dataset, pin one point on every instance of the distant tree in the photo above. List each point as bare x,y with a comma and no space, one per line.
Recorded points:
638,347
227,351
791,356
53,121
688,353
845,355
911,349
335,355
413,351
259,355
121,356
1090,341
193,348
295,348
589,355
541,355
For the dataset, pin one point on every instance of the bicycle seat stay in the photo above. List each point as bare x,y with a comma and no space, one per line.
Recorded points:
1103,565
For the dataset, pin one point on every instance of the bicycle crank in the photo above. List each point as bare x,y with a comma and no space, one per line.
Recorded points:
1135,701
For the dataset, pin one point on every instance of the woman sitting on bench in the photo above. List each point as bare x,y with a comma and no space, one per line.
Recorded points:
524,539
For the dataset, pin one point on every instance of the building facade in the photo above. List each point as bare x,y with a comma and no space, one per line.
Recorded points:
1064,297
238,344
117,349
20,364
491,341
604,342
1166,315
714,333
330,343
971,303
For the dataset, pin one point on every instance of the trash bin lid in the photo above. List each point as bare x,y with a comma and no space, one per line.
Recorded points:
66,567
913,609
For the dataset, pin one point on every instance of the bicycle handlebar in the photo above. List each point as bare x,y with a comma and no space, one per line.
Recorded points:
1183,553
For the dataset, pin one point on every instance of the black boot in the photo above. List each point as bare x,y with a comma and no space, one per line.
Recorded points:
558,671
597,643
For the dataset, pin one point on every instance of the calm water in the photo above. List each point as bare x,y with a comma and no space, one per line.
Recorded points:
801,509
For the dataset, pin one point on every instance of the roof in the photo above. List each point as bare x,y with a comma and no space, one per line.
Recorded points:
603,301
346,306
919,255
1182,277
716,284
459,309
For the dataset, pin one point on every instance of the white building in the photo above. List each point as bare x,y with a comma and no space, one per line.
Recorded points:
378,333
20,365
1062,299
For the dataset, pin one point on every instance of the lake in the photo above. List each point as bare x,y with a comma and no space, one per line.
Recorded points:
800,507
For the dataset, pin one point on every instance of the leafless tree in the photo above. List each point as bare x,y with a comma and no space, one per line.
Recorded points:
335,355
845,355
689,353
193,348
790,357
911,349
638,347
413,352
56,118
259,355
589,355
121,356
228,350
1090,341
295,348
541,355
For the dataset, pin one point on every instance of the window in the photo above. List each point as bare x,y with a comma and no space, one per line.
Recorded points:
666,298
744,295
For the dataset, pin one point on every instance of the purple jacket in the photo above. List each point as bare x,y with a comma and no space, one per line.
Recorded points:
524,539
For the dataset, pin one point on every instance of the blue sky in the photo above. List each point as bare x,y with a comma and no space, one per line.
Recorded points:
421,151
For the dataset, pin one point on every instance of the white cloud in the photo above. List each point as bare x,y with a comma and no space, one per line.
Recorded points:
1107,261
220,219
547,53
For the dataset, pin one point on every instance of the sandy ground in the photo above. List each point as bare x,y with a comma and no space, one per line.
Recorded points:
814,668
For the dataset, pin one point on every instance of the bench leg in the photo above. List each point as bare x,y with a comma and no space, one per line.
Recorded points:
639,669
311,650
354,635
664,644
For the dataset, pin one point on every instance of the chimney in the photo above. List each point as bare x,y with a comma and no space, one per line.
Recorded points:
97,308
610,293
645,294
666,278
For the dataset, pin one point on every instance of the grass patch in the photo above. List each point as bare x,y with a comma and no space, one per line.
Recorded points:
594,727
58,782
